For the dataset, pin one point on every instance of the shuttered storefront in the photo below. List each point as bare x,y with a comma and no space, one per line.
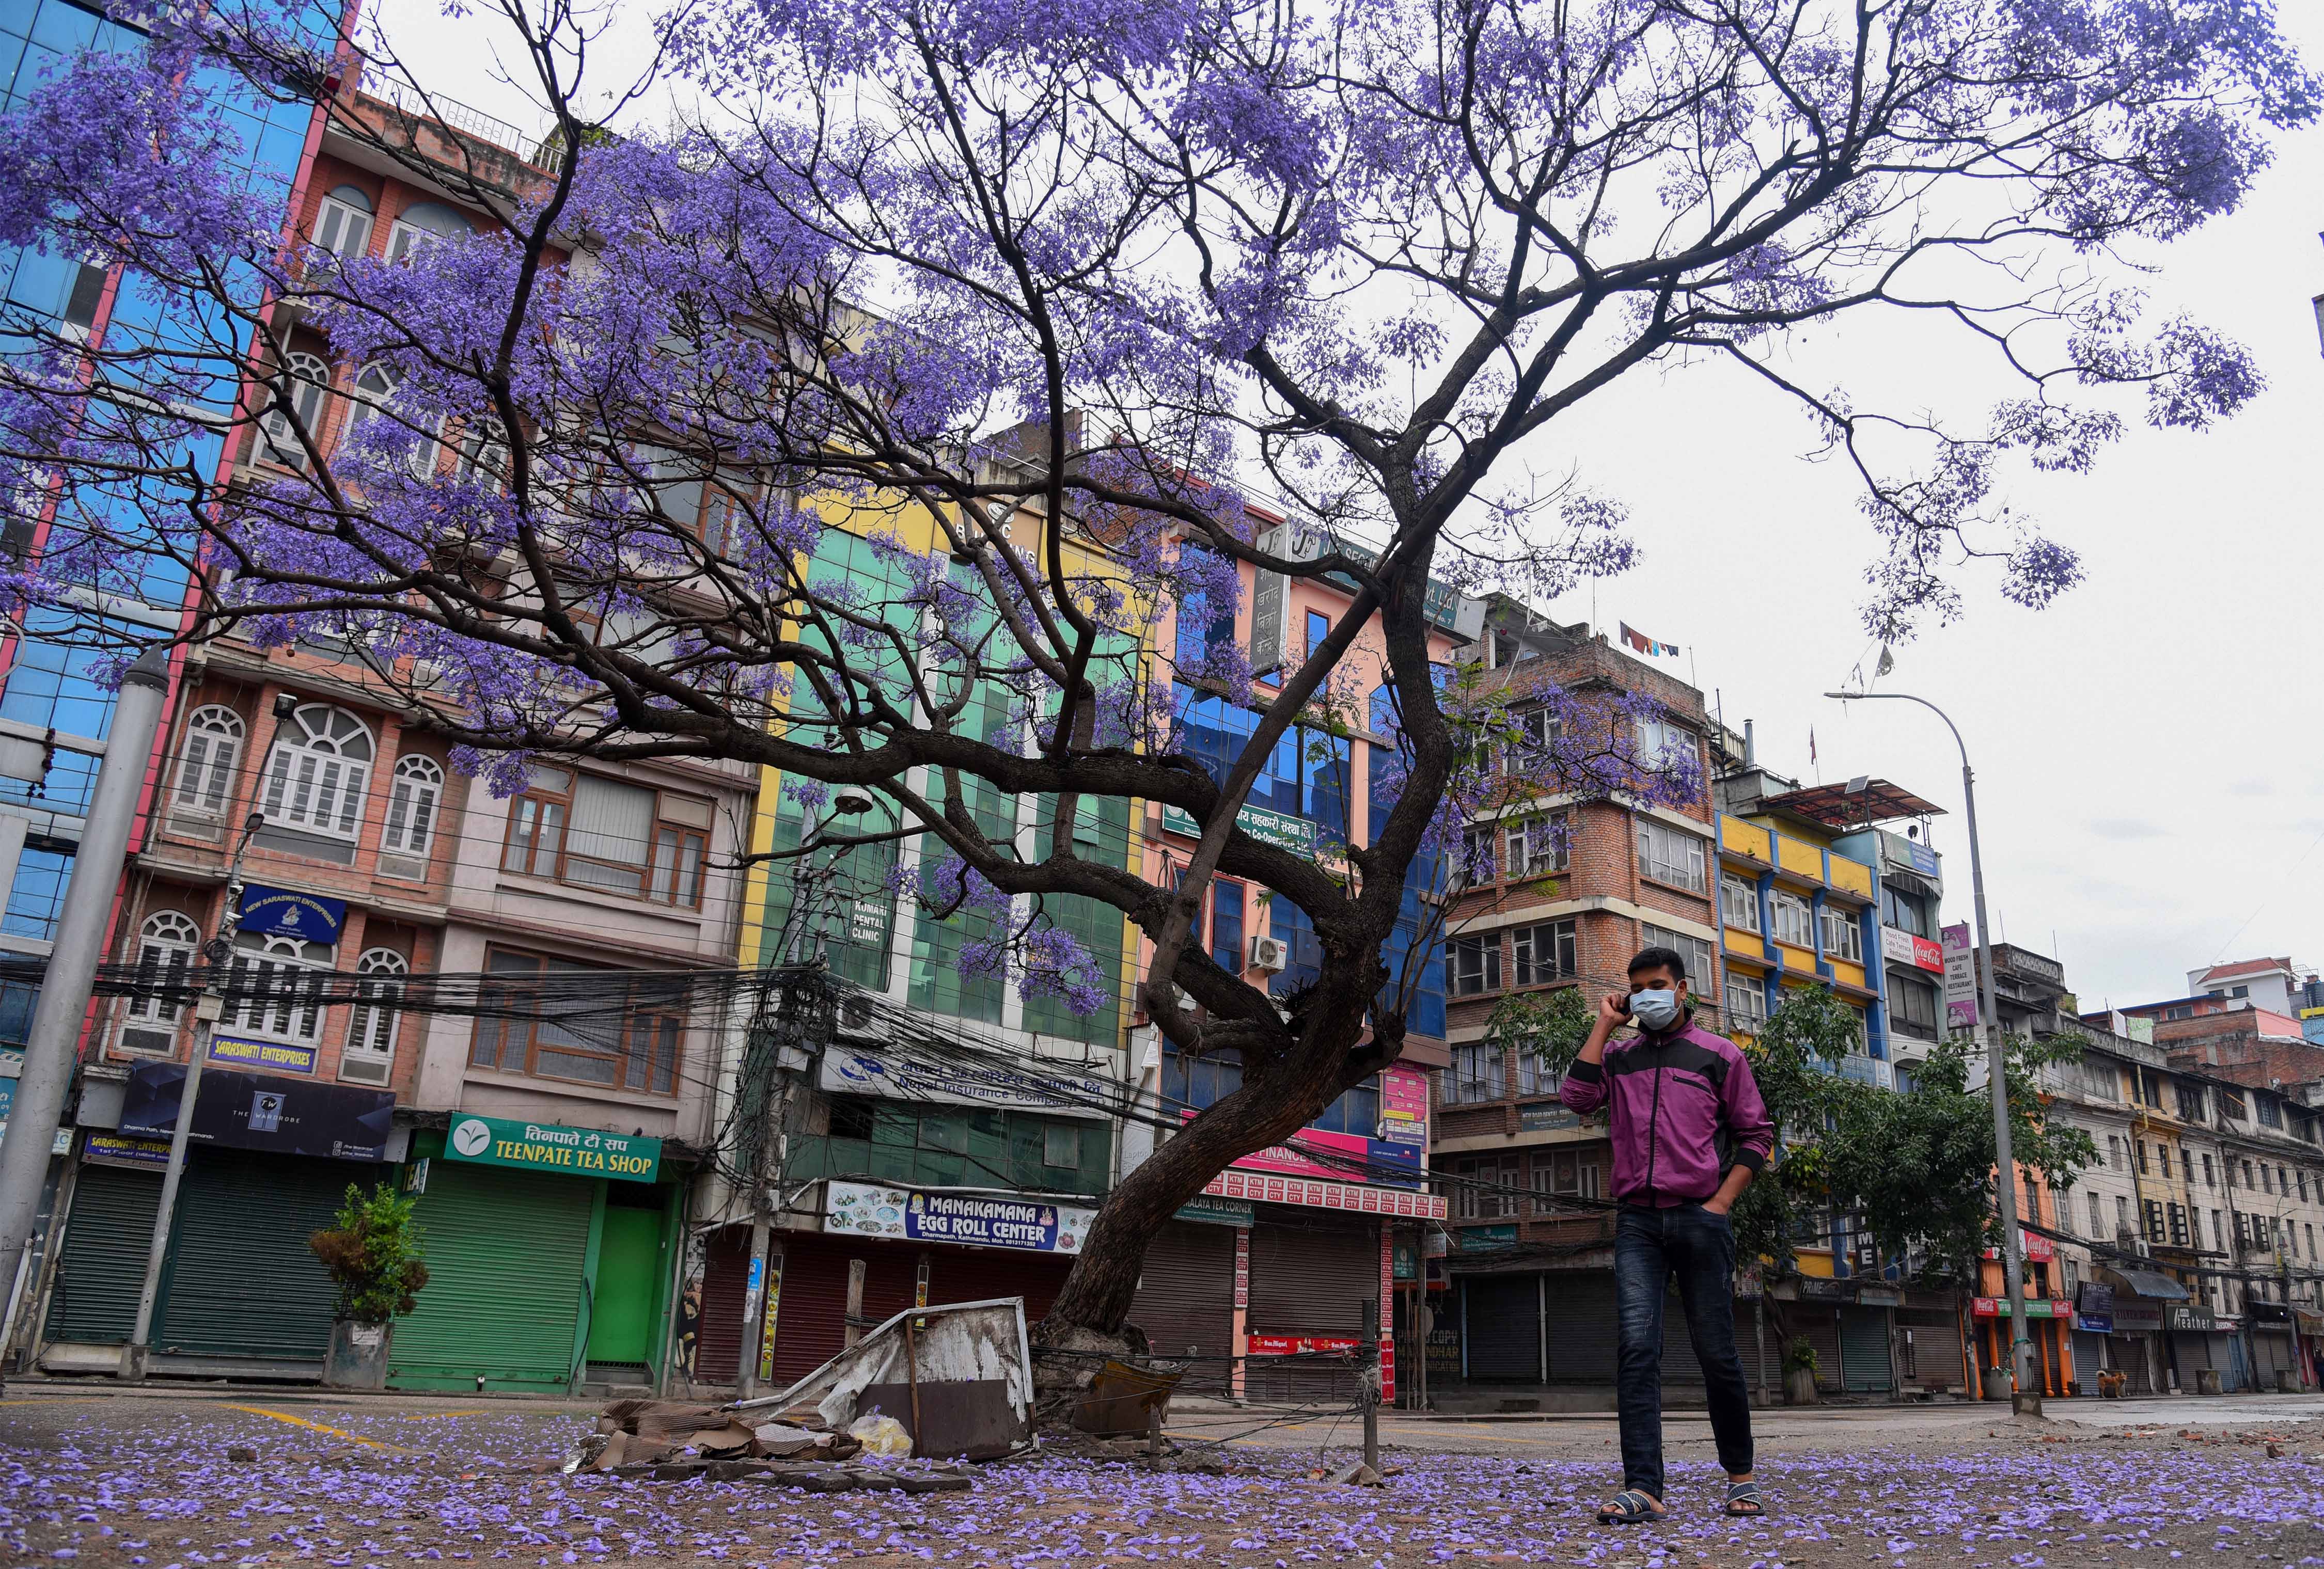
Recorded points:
1821,1327
101,1264
506,1254
2271,1343
241,1280
1185,1291
1581,1327
1929,1348
975,1274
2135,1354
718,1332
2090,1350
811,1321
1500,1327
1311,1273
1864,1349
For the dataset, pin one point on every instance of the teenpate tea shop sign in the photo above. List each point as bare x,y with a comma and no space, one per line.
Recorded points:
968,1219
553,1147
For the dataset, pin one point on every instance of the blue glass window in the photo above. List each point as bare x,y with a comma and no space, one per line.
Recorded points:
1226,925
37,897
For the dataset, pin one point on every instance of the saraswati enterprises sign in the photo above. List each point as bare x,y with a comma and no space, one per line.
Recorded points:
967,1219
551,1147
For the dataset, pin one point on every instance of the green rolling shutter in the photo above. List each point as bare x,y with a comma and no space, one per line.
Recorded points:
242,1280
1864,1348
505,1252
101,1265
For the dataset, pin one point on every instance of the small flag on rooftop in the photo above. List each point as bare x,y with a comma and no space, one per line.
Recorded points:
1645,645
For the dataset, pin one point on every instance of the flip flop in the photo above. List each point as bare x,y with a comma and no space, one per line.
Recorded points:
1743,1501
1629,1508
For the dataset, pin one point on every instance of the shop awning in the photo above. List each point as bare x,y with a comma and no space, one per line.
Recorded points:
2147,1283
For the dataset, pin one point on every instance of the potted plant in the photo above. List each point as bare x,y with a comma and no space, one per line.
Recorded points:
1799,1373
372,1255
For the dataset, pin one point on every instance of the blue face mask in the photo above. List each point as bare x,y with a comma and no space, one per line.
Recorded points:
1655,1010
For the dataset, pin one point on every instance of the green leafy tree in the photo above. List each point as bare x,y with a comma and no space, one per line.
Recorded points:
1916,1170
373,1253
1552,1025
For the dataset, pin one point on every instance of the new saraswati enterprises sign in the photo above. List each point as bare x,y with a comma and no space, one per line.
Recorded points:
966,1219
551,1147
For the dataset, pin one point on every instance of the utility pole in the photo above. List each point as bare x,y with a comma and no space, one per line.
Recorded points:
1367,1379
770,1067
50,1046
2028,1398
209,1006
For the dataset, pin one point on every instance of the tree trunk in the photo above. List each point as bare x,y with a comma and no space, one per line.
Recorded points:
1275,1101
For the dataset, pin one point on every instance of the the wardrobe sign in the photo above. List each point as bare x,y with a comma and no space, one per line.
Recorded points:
285,912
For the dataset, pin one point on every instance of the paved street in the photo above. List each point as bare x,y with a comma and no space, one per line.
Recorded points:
154,1482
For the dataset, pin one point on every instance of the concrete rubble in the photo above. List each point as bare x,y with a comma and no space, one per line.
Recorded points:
673,1441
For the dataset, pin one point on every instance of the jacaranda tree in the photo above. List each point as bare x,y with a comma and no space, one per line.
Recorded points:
1040,301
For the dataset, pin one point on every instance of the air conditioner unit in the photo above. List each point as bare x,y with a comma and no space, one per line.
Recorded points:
2144,1249
148,1042
1271,954
365,1067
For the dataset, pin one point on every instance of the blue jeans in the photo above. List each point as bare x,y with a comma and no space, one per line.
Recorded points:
1698,1247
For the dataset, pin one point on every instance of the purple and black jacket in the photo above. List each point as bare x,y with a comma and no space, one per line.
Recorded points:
1684,1109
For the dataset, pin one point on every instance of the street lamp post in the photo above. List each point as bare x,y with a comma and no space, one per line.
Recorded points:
2028,1398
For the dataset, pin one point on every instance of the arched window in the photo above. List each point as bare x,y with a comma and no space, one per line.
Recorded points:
297,393
278,982
424,224
375,390
342,227
205,764
412,802
369,1053
315,779
374,386
164,949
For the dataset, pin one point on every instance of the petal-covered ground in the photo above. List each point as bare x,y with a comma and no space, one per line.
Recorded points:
145,1483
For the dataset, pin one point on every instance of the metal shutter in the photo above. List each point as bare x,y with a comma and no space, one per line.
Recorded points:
242,1280
718,1333
1310,1275
1582,1327
1185,1290
504,1298
1313,1277
974,1274
1864,1348
101,1265
1936,1359
811,1323
1501,1327
1821,1327
2090,1351
2130,1354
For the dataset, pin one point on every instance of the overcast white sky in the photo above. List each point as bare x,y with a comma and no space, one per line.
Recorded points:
2150,750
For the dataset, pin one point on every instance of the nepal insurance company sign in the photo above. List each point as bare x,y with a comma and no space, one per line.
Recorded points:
551,1147
969,1219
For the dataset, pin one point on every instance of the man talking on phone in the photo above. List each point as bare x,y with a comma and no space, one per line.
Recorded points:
1689,1131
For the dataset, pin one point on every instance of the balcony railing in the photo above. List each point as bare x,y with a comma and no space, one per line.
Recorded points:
452,113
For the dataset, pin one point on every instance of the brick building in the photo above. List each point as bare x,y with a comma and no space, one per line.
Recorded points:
1576,888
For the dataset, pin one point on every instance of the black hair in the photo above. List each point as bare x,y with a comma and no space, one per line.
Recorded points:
1669,958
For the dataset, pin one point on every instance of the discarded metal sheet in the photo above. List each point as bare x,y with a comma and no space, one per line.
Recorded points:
972,1420
968,1362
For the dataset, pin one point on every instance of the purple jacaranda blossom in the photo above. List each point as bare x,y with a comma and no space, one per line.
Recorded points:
943,409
